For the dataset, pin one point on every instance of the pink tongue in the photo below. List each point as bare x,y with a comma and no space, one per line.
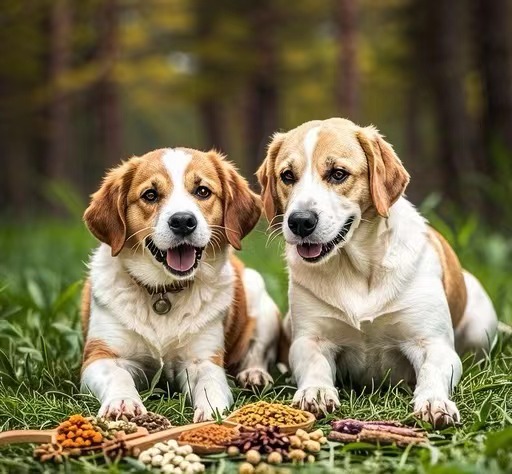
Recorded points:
309,250
181,258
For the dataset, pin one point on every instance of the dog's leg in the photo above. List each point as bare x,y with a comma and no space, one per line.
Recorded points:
201,376
438,369
477,330
254,368
112,383
312,360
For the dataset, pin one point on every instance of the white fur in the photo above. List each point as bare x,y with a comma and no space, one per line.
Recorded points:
375,307
180,200
478,327
183,342
263,348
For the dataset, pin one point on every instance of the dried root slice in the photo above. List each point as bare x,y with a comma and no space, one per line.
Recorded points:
54,453
383,432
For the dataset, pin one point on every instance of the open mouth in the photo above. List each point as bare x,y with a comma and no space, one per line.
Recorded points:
180,261
314,252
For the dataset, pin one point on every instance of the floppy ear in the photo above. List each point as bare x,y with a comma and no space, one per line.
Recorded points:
242,207
106,215
388,177
267,178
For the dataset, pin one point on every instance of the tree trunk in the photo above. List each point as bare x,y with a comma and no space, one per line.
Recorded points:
107,90
212,117
444,67
210,106
59,132
347,90
262,94
493,18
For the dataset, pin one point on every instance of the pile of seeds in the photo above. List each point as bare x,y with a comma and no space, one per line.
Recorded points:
172,458
268,443
74,435
269,414
262,439
110,428
210,435
153,422
78,432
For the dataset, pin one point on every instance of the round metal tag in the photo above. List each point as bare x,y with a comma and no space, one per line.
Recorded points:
162,305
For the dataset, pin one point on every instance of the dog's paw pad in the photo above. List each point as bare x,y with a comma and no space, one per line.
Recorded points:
439,413
317,400
254,377
117,407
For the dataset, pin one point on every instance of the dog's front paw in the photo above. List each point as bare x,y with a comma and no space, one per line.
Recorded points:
254,377
317,400
436,411
117,407
208,407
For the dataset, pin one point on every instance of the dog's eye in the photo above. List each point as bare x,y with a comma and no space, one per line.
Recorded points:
150,195
338,175
202,192
287,177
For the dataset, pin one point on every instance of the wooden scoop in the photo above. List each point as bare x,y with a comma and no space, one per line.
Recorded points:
48,436
28,436
135,446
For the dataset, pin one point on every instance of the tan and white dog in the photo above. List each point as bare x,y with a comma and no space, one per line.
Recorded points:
372,287
164,289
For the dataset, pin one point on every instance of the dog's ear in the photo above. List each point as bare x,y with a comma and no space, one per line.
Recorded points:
242,207
388,177
267,178
106,215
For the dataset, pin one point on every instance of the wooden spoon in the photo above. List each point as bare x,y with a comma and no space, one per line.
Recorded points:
136,446
49,436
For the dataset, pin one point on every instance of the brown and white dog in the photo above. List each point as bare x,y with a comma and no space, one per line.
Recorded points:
372,287
164,290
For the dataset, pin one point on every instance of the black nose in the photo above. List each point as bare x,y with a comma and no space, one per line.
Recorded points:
302,223
183,223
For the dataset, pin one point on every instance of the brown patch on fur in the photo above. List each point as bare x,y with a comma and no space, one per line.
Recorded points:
85,307
388,177
242,207
238,326
267,178
94,350
283,349
453,279
218,358
117,212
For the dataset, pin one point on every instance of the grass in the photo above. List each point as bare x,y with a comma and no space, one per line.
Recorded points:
41,271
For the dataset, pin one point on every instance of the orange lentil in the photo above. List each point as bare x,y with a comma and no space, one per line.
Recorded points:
77,432
210,435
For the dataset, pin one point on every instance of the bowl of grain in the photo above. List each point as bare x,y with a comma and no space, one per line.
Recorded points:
285,417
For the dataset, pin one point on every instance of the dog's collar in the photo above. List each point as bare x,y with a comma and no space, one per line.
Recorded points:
162,305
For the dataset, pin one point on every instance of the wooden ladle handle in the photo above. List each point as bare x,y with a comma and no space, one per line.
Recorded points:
28,436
